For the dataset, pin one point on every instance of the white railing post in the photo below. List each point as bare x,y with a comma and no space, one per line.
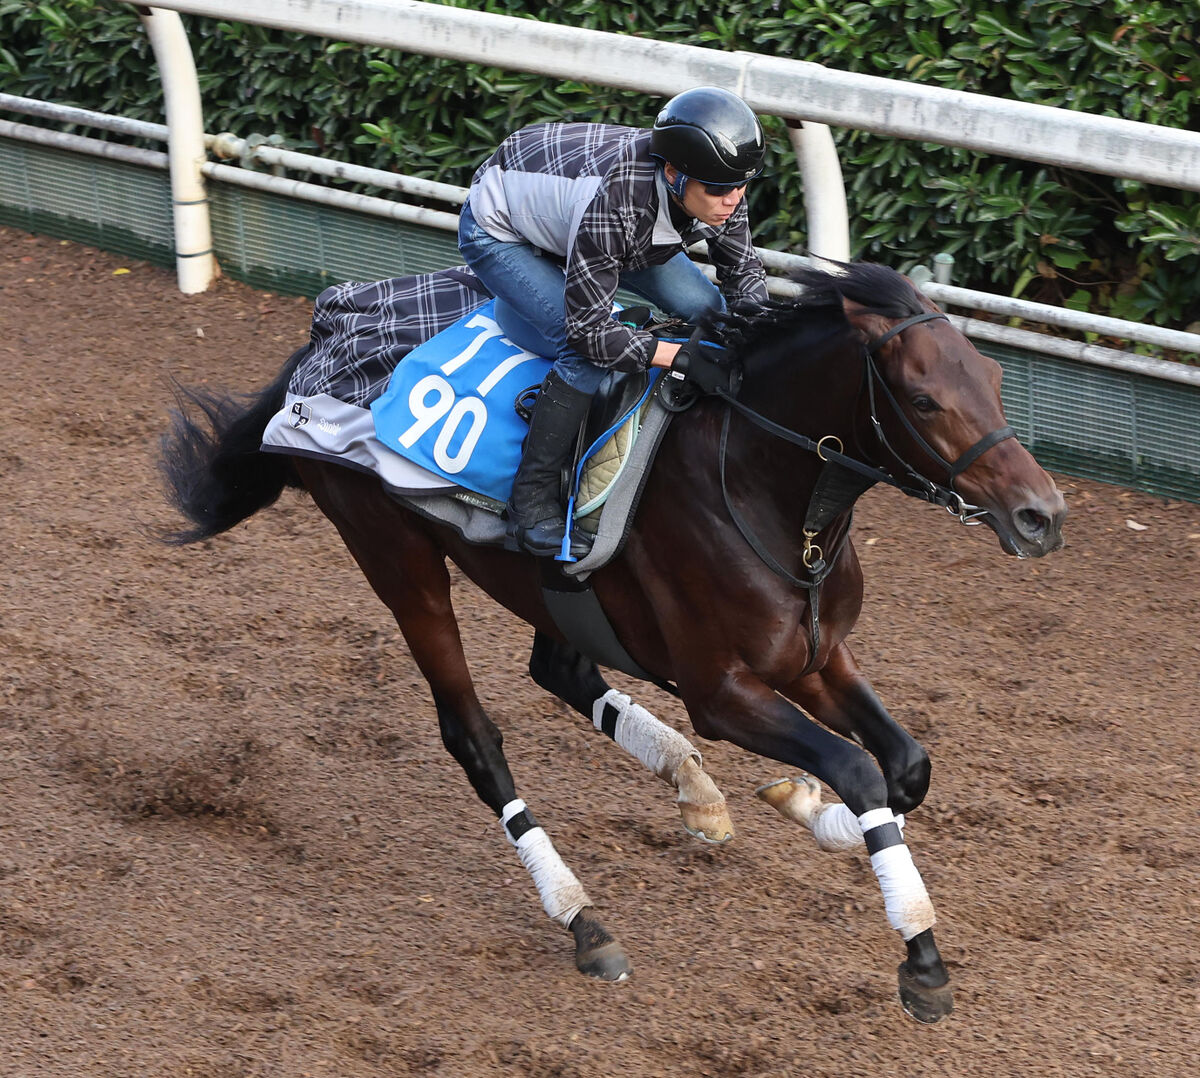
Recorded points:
195,265
824,191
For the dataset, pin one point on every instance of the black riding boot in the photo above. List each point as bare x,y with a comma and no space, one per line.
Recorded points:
535,513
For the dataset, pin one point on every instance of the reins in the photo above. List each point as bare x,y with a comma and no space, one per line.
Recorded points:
836,491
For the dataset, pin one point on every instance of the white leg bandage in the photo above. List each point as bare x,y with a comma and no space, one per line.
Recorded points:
835,827
909,910
656,745
562,894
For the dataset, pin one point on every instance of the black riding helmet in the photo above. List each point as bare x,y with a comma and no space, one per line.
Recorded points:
710,135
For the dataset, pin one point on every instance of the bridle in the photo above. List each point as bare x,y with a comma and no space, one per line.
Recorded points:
946,495
910,482
833,497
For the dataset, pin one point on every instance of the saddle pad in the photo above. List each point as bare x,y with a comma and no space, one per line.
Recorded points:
449,406
481,524
604,465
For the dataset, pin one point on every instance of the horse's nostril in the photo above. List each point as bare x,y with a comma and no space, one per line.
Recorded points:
1031,523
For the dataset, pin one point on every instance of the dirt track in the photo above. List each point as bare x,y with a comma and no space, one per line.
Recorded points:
233,845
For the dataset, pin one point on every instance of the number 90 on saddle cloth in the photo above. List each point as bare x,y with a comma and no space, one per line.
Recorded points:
450,407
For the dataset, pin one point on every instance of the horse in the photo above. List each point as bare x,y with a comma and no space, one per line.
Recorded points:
736,588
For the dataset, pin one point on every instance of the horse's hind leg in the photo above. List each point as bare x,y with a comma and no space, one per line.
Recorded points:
408,572
574,679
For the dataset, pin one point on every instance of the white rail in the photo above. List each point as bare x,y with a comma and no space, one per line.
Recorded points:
807,94
62,140
772,85
195,266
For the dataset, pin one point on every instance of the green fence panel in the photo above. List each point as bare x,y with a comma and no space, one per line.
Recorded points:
108,204
1115,426
279,243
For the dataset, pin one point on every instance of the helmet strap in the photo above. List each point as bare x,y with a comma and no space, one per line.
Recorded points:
678,187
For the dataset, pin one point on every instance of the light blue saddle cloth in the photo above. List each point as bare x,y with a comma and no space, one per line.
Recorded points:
449,406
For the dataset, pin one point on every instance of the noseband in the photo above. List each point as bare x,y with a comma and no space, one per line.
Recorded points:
946,496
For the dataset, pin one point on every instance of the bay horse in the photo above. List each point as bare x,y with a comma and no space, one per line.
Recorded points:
737,586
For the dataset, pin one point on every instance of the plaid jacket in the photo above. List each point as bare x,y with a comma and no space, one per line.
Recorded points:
591,194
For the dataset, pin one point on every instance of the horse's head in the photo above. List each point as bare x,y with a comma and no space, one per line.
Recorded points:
936,410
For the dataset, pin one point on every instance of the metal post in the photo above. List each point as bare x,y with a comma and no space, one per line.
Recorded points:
943,267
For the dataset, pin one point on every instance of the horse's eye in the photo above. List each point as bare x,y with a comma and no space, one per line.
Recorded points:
925,405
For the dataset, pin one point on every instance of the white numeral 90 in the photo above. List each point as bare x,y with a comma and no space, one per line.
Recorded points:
478,413
442,405
426,414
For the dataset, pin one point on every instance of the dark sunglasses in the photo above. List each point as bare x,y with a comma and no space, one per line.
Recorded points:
723,188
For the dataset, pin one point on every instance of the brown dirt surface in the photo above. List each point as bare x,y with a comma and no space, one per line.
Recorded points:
234,846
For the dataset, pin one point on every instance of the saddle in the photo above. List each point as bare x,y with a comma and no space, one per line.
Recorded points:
612,428
445,436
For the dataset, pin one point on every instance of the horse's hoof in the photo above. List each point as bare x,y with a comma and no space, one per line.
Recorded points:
701,805
605,963
597,954
709,823
796,798
921,1002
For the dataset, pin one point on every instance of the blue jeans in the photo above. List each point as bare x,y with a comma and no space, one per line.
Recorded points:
530,308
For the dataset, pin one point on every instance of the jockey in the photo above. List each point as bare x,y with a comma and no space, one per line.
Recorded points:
561,215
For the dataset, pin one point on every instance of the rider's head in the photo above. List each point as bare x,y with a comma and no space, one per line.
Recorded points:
710,135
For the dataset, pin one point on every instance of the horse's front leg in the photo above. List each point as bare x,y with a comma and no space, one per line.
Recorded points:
746,712
841,698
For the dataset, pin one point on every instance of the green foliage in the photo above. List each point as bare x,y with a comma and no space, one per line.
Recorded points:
1076,238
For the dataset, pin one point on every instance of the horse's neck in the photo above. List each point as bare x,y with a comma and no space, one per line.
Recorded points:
817,398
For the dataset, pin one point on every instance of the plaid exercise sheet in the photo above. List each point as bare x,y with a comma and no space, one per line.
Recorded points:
361,331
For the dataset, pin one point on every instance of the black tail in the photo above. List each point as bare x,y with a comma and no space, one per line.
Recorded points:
219,477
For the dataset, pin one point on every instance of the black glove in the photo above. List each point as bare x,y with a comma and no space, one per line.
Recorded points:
696,368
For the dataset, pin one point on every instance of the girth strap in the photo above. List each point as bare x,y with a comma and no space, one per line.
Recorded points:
577,612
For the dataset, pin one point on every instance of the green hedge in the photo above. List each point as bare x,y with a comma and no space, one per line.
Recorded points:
1080,239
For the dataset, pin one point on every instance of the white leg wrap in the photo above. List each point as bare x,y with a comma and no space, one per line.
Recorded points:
909,910
836,828
658,747
562,894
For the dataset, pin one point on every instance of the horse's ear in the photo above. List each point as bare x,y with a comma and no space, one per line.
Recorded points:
866,323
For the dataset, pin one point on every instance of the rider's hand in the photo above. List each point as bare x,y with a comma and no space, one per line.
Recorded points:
695,368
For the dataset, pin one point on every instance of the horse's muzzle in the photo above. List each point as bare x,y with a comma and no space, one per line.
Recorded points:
1032,529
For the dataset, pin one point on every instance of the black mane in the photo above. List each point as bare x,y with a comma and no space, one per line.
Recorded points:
817,313
877,288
